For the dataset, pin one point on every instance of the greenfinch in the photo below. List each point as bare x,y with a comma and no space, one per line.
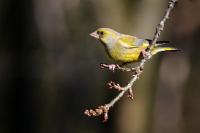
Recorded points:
126,48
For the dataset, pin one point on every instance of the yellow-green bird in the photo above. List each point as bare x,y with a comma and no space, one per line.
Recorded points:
126,48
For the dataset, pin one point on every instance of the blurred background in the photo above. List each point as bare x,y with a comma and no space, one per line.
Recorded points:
49,67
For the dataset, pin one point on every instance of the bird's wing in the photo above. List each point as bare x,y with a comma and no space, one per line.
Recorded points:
158,43
129,42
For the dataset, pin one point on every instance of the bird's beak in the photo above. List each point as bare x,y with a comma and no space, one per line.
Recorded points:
94,34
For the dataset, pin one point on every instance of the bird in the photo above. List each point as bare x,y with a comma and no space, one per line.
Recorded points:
125,48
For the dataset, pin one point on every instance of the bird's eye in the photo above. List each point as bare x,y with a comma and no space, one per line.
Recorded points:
100,33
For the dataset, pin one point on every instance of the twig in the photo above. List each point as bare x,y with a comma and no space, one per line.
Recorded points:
104,109
112,84
114,67
129,85
161,25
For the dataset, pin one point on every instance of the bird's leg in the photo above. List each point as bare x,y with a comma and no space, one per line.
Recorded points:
146,54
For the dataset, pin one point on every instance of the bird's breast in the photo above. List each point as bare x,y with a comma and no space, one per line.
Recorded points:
125,55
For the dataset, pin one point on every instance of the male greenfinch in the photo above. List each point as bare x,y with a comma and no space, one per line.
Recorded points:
126,48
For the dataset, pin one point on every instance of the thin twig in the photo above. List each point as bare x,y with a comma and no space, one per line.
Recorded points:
114,67
129,85
161,25
104,109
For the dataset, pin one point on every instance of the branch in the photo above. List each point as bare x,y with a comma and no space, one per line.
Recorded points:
114,67
161,25
104,109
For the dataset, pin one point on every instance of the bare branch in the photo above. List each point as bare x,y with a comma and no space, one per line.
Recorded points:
112,84
129,85
104,109
114,67
101,110
161,25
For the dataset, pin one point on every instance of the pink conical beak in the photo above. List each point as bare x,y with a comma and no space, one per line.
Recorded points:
94,34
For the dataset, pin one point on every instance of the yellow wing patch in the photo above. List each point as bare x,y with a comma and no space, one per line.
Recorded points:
129,42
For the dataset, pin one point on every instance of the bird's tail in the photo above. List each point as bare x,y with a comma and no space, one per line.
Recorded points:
158,49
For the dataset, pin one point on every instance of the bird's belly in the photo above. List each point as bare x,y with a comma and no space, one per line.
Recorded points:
125,55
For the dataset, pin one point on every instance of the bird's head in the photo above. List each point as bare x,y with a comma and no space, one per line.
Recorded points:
106,35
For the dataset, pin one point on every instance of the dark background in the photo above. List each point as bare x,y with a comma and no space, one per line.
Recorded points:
49,67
